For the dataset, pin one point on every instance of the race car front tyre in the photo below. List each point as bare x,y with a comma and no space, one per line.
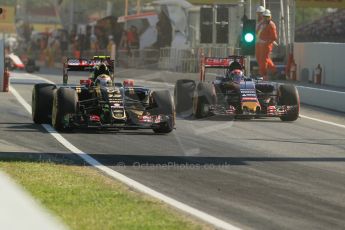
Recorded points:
289,97
64,103
183,97
163,106
204,96
42,102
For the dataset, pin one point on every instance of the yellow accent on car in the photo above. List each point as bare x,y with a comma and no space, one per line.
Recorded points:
131,91
101,57
250,105
78,89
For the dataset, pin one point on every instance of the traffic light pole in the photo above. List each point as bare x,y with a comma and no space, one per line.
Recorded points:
249,13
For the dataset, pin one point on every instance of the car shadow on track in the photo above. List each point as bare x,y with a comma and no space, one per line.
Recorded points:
153,160
21,127
136,161
227,118
146,132
31,127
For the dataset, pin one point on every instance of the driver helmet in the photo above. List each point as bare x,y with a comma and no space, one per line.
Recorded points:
236,75
103,68
103,80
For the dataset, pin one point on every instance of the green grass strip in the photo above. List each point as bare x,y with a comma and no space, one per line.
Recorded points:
85,199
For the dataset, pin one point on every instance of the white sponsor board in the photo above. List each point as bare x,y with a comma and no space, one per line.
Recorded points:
2,65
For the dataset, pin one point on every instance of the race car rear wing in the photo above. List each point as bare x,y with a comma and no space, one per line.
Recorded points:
83,64
231,62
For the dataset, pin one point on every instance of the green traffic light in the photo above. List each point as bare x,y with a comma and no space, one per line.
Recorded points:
249,37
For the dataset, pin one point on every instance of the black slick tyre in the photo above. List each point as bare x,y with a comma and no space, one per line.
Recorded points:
289,97
164,106
204,96
64,103
42,102
183,97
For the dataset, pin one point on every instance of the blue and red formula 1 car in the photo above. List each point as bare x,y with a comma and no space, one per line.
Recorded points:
234,94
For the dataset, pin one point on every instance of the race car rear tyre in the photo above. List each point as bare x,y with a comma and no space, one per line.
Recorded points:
183,97
164,106
30,66
64,103
204,96
42,102
289,97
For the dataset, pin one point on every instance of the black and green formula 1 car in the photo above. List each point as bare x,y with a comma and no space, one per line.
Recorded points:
92,105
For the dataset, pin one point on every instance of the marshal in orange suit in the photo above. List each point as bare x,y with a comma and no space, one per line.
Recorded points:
267,35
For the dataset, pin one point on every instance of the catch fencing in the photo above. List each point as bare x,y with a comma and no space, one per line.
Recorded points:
188,60
172,59
135,58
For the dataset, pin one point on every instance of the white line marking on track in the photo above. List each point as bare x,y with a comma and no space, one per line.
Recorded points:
41,78
29,77
323,121
326,90
20,99
126,180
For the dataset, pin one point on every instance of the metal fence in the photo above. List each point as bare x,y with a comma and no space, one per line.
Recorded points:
188,60
135,58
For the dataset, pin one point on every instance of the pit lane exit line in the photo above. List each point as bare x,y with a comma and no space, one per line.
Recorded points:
316,88
323,121
126,180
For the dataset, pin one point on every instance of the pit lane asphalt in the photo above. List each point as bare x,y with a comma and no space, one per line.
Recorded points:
256,174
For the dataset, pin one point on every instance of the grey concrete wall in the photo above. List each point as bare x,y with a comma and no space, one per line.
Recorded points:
328,99
331,57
